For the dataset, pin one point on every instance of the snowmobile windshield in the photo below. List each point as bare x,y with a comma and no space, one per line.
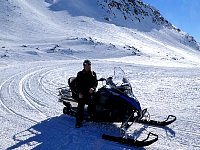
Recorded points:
120,77
119,81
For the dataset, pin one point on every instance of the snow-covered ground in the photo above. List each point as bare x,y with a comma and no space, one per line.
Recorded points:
43,42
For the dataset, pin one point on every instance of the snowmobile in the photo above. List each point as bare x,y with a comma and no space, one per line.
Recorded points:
114,102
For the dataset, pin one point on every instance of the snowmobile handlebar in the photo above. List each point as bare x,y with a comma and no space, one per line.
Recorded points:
108,81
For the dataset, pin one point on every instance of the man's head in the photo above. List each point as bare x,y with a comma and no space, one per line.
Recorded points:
87,65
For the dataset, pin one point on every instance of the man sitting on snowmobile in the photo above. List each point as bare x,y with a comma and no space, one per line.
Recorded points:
86,83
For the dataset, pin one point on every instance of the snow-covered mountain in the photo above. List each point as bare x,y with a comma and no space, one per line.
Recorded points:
130,26
44,42
137,14
127,13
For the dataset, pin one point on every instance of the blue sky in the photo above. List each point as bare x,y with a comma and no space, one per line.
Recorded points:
184,14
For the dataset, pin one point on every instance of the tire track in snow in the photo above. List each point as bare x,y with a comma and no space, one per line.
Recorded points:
2,93
26,97
31,85
26,93
45,82
5,90
13,94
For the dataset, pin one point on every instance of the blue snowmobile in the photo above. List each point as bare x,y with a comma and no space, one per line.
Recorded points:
114,102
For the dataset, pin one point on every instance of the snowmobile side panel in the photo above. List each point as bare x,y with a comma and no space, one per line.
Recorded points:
132,101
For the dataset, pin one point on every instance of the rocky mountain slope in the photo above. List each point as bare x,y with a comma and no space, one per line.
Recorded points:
134,13
131,27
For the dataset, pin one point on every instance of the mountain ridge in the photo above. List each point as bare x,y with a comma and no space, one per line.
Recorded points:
136,11
126,13
56,22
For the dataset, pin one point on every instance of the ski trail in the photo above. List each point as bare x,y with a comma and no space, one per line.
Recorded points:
1,95
27,92
28,100
5,106
11,99
15,92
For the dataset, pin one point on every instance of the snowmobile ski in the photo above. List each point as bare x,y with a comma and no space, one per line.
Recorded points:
170,119
151,138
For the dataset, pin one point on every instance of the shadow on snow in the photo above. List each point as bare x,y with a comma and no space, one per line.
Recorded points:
59,133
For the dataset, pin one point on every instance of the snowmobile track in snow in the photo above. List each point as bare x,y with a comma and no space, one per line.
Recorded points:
20,90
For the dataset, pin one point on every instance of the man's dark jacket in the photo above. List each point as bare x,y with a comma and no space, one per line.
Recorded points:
86,80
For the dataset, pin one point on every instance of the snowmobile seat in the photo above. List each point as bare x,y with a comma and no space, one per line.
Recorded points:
72,86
